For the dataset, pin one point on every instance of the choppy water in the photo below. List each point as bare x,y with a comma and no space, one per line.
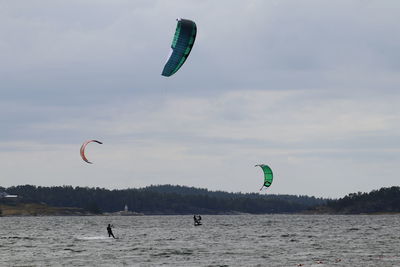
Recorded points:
246,240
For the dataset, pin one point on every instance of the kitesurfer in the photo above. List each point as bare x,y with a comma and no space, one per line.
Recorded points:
197,220
110,233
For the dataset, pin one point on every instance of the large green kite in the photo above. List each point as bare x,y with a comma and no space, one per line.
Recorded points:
182,44
268,175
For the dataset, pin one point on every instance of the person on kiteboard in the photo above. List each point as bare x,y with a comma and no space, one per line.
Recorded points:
197,220
110,233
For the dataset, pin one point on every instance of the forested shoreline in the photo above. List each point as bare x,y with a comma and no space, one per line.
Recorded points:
175,199
163,199
384,200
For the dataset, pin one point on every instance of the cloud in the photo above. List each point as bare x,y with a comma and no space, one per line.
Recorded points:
200,141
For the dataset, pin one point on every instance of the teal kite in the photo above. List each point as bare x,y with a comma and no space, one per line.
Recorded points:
268,175
182,44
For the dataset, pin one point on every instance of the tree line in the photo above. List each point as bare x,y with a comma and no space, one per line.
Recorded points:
382,200
163,199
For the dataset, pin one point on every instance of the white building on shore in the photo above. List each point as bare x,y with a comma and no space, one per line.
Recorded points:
6,195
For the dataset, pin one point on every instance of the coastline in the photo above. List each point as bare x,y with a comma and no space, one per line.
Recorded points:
35,209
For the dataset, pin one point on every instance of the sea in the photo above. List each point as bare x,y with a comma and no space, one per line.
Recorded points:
222,240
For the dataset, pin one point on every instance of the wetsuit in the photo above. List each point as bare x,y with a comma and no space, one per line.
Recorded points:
197,220
110,233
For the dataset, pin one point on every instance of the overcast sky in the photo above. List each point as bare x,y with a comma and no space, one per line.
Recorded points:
310,88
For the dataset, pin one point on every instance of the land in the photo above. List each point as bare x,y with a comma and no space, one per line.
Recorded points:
172,199
162,200
383,201
35,209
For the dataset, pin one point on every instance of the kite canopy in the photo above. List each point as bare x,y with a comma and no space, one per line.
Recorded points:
182,44
268,175
83,149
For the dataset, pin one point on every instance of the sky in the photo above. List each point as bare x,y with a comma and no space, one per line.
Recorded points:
310,88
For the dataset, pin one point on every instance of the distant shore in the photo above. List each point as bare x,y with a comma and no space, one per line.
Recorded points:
35,209
41,210
31,200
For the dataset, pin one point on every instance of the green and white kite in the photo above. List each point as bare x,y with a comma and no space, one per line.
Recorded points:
268,175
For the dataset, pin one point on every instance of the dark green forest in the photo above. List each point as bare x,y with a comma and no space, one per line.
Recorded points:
384,200
163,199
